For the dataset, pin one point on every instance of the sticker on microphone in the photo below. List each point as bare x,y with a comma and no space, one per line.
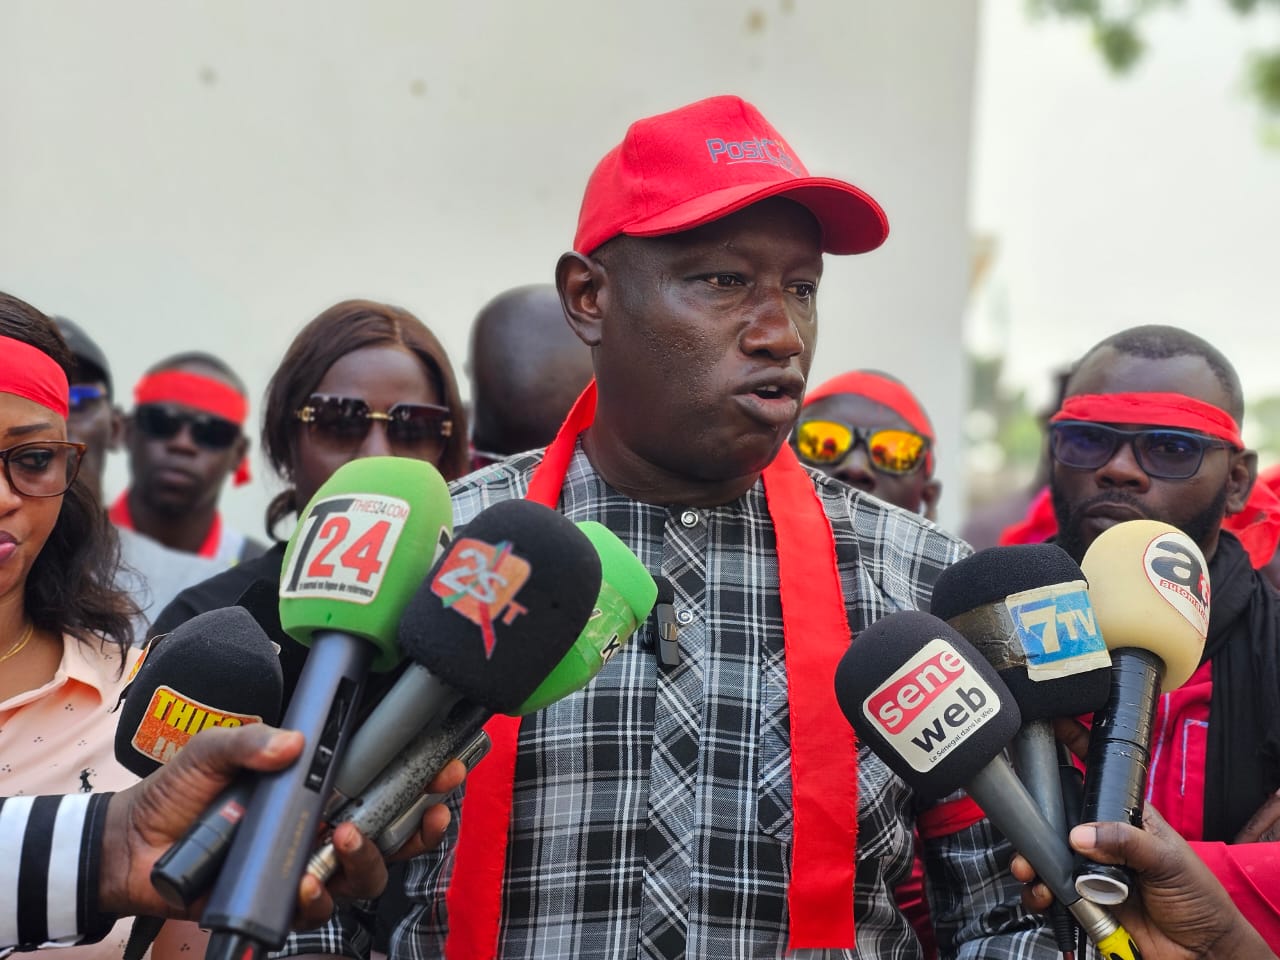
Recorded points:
480,581
172,719
1058,631
1176,568
930,706
343,549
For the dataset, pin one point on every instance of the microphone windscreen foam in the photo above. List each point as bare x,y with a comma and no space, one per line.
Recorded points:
361,548
925,701
1027,610
504,604
1151,590
217,669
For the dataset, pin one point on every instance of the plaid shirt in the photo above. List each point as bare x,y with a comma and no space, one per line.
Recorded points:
600,802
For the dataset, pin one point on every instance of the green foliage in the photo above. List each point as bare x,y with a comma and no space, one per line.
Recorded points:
1116,34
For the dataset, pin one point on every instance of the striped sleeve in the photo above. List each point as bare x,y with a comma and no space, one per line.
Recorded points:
51,847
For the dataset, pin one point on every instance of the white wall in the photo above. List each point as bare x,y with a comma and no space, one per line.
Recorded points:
181,175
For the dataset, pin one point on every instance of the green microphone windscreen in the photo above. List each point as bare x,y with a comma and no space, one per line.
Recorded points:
362,547
627,595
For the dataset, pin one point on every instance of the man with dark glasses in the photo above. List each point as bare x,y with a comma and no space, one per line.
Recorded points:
868,430
185,439
1149,427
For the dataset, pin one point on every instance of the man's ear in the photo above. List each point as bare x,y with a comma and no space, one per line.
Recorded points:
115,433
1241,476
582,285
930,494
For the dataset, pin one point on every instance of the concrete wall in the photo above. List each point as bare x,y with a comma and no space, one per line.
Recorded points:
210,176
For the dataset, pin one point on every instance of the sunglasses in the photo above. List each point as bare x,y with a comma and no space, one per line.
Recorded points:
821,443
83,397
164,423
1163,454
346,421
42,468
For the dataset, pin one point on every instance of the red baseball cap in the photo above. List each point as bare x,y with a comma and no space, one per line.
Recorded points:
679,170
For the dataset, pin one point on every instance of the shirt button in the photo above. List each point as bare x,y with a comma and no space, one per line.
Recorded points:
684,616
689,518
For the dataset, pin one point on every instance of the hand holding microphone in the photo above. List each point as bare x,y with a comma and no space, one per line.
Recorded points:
361,548
1150,588
939,716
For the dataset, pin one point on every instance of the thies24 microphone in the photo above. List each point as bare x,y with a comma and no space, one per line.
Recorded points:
361,548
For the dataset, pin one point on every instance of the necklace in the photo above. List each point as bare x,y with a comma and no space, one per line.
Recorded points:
22,642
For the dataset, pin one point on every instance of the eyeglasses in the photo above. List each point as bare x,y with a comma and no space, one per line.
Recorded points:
1163,454
822,443
42,468
163,423
83,397
346,421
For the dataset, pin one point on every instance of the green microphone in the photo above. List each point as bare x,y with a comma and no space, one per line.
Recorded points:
627,595
361,549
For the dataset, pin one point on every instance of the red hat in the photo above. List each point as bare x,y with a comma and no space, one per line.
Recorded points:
679,170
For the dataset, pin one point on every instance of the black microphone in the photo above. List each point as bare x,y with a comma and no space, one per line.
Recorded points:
939,716
1026,609
217,669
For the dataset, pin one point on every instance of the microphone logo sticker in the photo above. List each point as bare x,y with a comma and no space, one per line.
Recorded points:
931,705
1176,568
480,581
1057,630
342,550
171,719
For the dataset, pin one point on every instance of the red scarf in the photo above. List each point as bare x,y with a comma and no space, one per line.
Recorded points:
824,773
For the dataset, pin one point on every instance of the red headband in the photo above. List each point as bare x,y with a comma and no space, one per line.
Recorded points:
200,393
193,390
882,390
1156,409
28,371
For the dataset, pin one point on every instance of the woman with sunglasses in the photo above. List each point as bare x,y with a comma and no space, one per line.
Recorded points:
65,629
362,379
868,430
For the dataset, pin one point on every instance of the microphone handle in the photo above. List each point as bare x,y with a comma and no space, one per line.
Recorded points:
1116,774
189,867
415,700
380,812
255,892
1035,757
1005,801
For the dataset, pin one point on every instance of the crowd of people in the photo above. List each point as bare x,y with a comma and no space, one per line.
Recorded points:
714,804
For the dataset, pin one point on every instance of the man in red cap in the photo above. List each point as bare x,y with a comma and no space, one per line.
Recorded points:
710,802
868,430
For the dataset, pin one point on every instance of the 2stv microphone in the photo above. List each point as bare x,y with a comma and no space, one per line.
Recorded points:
524,608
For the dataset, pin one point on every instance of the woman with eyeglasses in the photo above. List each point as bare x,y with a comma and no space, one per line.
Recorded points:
65,630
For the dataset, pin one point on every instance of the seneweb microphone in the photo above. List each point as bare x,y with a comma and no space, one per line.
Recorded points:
939,716
1026,609
361,548
1150,588
624,595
